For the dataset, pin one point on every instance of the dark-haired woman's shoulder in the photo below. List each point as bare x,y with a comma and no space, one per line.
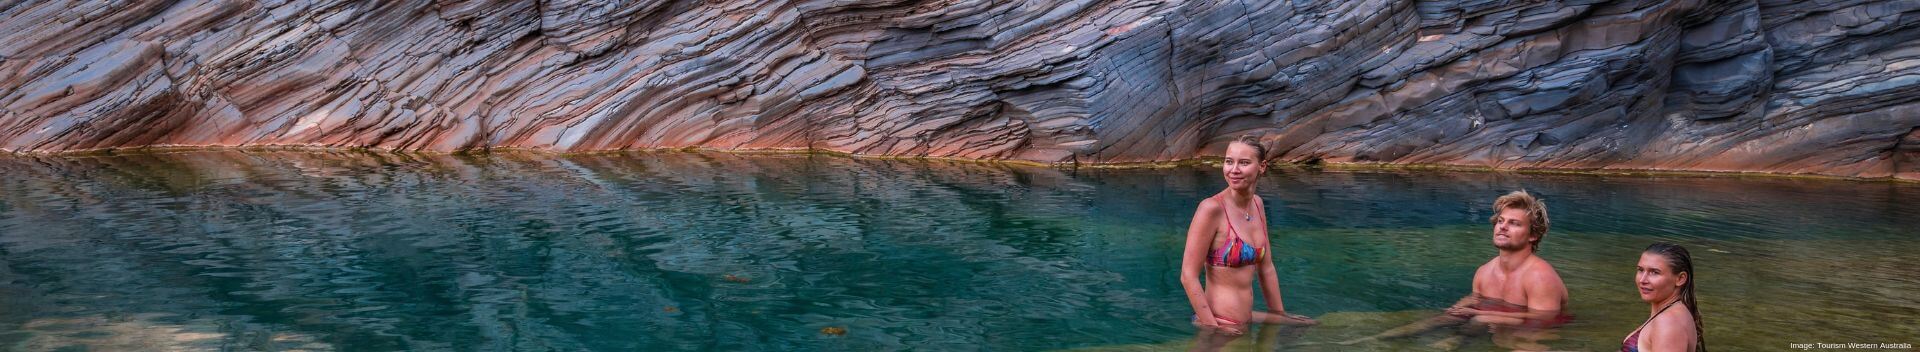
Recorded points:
1672,330
1679,316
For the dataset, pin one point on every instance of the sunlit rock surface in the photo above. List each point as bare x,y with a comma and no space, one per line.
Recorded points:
1825,87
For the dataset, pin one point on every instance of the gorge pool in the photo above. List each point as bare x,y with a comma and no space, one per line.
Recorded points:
255,250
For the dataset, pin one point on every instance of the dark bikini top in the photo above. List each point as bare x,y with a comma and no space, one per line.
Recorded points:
1236,252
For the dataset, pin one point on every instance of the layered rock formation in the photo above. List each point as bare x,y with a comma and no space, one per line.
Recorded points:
1826,87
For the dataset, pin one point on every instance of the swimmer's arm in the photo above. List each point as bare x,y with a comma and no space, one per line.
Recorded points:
1464,308
1270,283
1514,318
1467,301
1545,296
1472,298
1193,261
1269,277
1491,318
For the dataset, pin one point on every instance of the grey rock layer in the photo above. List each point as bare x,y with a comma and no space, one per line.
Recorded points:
1822,87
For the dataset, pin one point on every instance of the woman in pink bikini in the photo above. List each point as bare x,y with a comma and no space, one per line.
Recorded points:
1665,278
1227,242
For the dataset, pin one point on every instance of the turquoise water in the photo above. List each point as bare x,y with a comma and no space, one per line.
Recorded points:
695,251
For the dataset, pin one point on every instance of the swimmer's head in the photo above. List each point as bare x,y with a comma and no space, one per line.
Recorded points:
1250,141
1519,220
1245,160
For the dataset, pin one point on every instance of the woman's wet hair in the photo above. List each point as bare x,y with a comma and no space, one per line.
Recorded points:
1679,261
1253,140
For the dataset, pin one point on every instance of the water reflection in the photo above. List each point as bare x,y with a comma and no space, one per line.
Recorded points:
691,251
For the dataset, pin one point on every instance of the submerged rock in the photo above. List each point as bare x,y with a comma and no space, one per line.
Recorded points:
833,330
1828,87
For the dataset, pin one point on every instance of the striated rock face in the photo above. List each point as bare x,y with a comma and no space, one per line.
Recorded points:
1827,87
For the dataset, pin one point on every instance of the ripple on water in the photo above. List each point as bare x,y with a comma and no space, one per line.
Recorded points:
687,251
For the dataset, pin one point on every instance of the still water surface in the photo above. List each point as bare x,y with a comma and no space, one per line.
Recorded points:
692,251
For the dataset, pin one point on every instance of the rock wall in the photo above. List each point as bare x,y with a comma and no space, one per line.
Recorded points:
1827,87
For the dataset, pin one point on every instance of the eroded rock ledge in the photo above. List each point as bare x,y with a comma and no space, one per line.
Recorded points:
1824,87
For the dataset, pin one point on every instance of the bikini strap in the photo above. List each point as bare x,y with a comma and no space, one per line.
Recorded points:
1224,204
1260,207
1663,309
1257,204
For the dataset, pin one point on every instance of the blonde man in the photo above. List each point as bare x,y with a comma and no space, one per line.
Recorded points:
1516,289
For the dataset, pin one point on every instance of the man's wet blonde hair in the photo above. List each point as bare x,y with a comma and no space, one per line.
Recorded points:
1536,213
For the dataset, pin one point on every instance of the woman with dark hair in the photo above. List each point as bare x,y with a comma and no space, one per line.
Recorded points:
1665,277
1227,242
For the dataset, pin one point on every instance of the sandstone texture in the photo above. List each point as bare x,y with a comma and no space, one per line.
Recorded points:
1821,86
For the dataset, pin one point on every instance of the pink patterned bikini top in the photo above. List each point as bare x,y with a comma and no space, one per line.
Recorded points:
1236,252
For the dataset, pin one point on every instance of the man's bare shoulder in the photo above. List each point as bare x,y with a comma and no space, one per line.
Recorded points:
1542,272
